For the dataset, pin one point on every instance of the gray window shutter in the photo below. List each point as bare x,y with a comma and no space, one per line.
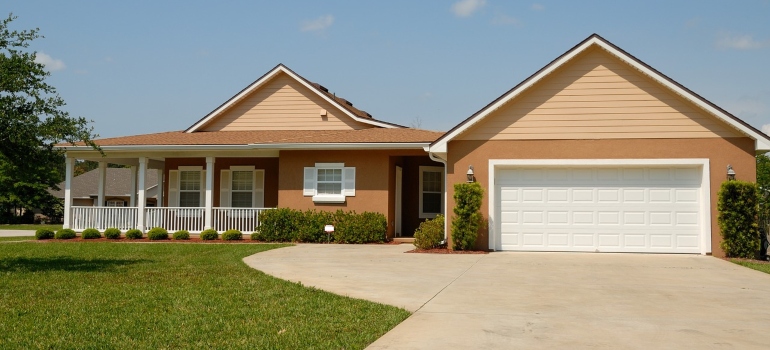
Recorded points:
203,189
173,188
308,189
349,181
259,189
224,189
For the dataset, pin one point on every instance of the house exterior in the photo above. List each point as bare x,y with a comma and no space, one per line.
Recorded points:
118,188
597,151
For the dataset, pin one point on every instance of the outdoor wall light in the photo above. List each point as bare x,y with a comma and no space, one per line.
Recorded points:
730,172
469,174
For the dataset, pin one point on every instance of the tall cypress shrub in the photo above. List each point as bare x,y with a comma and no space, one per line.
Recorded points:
738,207
467,219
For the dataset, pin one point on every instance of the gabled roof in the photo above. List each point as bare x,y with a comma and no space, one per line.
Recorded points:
344,105
762,140
395,137
118,183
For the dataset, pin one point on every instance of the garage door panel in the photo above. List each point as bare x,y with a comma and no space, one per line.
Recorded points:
623,209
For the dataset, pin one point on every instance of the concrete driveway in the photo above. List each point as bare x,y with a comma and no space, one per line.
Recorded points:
541,300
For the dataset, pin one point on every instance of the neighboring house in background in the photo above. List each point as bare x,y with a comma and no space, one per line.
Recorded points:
85,188
597,151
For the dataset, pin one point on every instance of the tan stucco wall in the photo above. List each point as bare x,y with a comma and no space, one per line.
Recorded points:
739,152
375,180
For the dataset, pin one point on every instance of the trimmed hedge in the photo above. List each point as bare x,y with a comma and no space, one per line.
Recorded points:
44,233
289,225
181,235
738,207
157,234
65,233
209,235
112,233
134,234
467,219
430,233
90,233
232,235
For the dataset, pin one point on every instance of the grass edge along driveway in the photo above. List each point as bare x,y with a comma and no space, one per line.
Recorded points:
163,296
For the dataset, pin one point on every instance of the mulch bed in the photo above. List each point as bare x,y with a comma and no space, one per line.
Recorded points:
446,251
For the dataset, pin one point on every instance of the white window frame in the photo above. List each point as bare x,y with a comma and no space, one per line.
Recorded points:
249,169
115,203
344,190
200,191
423,169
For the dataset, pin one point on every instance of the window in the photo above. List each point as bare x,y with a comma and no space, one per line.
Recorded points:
115,203
431,191
189,188
242,188
330,182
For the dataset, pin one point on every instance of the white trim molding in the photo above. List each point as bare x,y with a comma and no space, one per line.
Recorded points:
702,163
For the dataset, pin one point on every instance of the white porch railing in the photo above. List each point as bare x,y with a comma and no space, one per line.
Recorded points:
175,218
102,218
242,219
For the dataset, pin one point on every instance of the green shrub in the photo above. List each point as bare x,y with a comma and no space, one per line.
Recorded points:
112,233
65,233
467,215
738,209
311,226
209,235
278,225
232,235
90,233
134,234
181,235
366,227
43,233
430,233
157,234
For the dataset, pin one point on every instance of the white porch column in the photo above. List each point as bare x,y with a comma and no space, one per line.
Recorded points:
160,188
142,200
102,184
132,196
68,166
209,193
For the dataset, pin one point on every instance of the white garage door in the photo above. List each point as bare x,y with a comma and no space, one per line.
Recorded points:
625,209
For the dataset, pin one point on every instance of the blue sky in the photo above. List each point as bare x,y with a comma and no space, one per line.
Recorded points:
137,67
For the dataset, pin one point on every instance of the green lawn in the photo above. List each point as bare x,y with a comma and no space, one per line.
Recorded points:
93,295
756,265
30,227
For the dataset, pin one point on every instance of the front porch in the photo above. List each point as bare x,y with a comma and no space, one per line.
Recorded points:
172,219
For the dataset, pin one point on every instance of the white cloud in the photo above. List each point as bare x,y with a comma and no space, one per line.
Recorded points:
317,24
502,19
739,42
537,7
766,129
465,8
50,63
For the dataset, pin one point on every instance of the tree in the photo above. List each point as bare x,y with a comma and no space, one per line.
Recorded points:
763,182
32,122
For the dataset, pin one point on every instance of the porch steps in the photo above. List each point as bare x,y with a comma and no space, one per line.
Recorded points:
402,240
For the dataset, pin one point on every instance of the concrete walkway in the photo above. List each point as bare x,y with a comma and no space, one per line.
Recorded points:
541,300
17,233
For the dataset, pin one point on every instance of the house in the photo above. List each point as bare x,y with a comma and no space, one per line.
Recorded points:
117,188
597,151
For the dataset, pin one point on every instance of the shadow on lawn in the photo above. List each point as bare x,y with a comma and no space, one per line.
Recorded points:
64,263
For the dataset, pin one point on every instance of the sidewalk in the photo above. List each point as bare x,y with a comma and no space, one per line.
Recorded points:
17,233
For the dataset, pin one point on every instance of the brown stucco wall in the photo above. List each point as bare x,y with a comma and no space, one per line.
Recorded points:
270,165
375,180
739,152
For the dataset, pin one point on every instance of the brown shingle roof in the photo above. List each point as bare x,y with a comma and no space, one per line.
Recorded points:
373,135
118,183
